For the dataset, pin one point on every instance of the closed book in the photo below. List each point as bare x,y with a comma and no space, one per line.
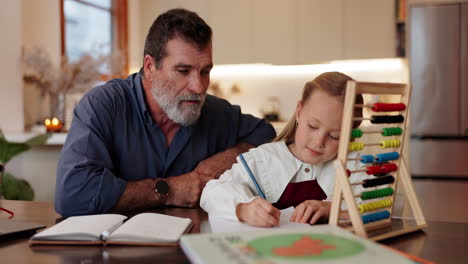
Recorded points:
310,244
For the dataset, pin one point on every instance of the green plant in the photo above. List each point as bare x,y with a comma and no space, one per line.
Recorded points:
12,188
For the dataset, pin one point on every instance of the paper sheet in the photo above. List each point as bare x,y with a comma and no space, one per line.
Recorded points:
223,225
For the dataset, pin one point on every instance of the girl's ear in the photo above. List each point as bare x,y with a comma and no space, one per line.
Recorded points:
298,110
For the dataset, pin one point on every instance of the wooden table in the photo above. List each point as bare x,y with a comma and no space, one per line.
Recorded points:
442,242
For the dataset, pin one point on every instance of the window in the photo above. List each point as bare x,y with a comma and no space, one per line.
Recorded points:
91,25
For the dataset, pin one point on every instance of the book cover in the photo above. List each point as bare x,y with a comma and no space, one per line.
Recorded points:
312,244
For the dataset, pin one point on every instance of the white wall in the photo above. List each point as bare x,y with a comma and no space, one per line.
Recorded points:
286,82
28,23
40,29
11,84
136,34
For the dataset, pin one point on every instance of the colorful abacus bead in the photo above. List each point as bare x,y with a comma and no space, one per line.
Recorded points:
392,131
355,146
367,158
364,207
378,181
386,168
387,156
377,169
376,119
390,143
386,107
374,217
377,193
356,133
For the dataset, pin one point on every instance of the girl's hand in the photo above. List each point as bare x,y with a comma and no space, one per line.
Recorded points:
258,212
310,211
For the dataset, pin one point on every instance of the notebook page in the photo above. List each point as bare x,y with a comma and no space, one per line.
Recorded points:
81,228
223,225
151,228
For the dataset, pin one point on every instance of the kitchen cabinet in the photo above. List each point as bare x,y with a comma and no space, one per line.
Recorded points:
156,7
369,29
292,32
319,31
232,31
274,35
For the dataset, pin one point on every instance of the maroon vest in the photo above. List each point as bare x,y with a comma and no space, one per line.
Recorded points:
298,192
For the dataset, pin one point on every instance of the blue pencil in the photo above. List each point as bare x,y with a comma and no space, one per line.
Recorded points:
259,190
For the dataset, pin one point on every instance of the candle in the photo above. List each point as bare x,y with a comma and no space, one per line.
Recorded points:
53,125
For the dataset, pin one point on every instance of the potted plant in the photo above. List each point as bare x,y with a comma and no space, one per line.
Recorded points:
12,188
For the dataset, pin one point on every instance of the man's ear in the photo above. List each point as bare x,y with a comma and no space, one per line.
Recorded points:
149,65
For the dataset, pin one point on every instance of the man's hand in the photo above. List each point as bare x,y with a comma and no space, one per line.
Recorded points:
185,190
310,211
258,212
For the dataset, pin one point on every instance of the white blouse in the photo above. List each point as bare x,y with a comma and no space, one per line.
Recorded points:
274,166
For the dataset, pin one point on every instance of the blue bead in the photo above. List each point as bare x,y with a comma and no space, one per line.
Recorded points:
388,156
367,159
375,217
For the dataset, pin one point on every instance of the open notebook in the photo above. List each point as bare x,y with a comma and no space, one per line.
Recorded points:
141,229
218,224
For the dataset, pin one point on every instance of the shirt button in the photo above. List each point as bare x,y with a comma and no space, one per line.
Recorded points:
307,170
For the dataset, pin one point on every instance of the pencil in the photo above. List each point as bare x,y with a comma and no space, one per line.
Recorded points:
252,177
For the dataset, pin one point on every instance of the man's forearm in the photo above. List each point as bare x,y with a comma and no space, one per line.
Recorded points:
184,190
216,165
138,195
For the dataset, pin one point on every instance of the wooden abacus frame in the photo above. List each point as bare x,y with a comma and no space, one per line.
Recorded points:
342,189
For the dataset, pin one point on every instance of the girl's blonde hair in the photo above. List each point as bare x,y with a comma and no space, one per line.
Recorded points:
333,83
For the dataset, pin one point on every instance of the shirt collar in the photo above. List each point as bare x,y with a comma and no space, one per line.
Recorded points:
137,82
295,162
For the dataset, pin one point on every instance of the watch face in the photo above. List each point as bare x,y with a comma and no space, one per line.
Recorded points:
162,187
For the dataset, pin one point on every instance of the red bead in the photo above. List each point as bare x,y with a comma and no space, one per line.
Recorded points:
373,170
386,168
384,107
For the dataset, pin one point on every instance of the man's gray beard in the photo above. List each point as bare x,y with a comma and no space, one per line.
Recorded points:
171,105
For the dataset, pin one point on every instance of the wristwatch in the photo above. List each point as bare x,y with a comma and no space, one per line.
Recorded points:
161,188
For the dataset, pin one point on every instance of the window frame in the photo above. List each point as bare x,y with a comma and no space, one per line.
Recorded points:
119,14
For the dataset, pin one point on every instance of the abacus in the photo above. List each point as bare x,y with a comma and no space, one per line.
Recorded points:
373,219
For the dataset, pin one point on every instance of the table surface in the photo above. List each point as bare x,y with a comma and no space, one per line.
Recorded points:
441,242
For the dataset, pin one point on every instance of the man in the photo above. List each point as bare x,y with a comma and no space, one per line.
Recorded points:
155,138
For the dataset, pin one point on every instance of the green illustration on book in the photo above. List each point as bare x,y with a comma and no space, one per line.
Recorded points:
305,246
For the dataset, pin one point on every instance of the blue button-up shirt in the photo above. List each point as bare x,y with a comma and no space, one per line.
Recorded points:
113,139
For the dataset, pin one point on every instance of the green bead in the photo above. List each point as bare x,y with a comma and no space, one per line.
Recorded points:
356,133
377,193
391,131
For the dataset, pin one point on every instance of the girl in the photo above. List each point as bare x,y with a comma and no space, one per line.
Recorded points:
295,170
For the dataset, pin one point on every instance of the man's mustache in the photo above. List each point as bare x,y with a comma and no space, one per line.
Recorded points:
191,97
